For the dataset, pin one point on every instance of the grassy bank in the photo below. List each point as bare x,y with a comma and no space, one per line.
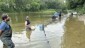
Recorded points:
46,11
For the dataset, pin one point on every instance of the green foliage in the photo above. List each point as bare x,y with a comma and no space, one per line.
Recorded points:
71,4
5,7
78,5
53,5
43,6
35,6
20,5
28,5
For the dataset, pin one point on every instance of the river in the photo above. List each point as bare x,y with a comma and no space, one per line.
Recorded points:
67,33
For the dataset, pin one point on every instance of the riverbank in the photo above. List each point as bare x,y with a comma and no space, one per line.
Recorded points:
46,11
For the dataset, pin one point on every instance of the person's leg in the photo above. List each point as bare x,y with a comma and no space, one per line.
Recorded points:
28,34
59,17
4,46
8,43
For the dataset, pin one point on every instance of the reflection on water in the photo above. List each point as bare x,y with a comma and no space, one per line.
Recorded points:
74,36
20,36
81,18
54,33
18,19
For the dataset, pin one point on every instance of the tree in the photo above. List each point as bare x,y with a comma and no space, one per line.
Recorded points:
71,4
28,5
20,4
35,6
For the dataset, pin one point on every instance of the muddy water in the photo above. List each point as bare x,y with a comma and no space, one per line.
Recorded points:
74,36
53,31
17,22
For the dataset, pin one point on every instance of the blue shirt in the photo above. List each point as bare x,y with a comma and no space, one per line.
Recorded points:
5,29
4,26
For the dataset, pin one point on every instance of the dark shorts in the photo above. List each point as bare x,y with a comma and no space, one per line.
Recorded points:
7,43
28,28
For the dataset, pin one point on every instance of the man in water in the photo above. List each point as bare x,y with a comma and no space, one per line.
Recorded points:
60,15
6,32
27,26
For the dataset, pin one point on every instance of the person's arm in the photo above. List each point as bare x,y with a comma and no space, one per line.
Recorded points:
2,27
25,23
0,32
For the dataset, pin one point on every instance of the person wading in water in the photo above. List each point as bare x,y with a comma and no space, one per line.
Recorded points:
27,27
6,32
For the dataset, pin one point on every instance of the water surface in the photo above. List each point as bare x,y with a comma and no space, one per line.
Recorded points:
74,36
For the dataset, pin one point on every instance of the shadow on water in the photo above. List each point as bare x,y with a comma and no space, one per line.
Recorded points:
74,36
